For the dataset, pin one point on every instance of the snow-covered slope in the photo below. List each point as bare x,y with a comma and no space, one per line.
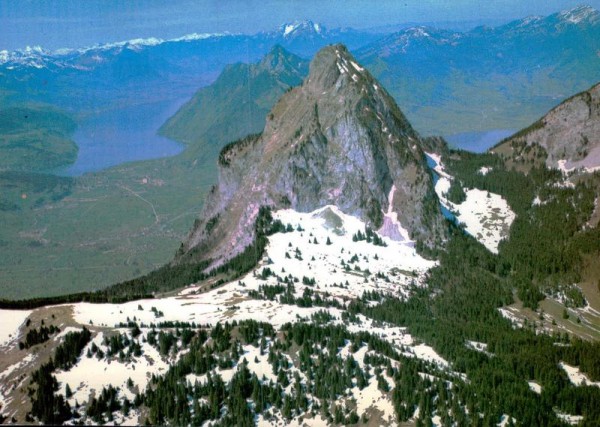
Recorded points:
10,321
322,253
486,216
392,269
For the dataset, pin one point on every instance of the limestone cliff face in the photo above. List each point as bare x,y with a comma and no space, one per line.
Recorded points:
569,133
338,139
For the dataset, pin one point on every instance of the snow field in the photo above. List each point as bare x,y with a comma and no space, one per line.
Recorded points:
399,262
535,387
297,253
487,216
92,375
10,323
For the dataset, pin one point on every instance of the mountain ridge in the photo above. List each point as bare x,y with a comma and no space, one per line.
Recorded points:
252,89
565,138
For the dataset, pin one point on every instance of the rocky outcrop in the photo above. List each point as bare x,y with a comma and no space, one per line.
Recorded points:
569,134
338,139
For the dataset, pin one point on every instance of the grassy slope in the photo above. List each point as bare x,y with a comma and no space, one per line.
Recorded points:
35,139
105,231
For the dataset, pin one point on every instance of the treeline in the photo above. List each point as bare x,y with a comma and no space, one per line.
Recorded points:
47,406
228,151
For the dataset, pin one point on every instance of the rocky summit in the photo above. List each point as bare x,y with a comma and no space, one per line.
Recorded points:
337,139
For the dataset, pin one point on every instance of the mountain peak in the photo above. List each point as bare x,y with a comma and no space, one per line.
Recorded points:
579,14
290,30
334,65
289,68
276,58
338,139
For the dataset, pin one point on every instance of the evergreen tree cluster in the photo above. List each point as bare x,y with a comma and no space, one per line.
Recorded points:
462,304
369,236
38,336
312,386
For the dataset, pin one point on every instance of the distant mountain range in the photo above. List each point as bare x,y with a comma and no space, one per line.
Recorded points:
503,77
303,295
110,74
447,81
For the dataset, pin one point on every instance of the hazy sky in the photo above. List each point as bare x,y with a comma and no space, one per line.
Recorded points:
72,23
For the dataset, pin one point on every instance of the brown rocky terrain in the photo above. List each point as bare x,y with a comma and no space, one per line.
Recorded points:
568,137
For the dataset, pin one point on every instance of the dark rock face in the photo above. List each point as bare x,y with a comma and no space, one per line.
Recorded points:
338,139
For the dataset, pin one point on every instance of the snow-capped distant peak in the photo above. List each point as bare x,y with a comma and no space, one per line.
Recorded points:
301,27
288,29
578,14
33,55
418,32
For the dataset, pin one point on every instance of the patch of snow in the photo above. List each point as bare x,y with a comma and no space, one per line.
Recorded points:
10,323
439,166
91,374
529,20
505,420
356,66
484,170
578,14
509,315
372,397
566,170
65,331
486,216
478,346
570,419
30,357
288,29
391,226
425,352
535,387
577,377
196,36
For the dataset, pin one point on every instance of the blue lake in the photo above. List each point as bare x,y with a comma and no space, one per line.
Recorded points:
478,142
120,135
